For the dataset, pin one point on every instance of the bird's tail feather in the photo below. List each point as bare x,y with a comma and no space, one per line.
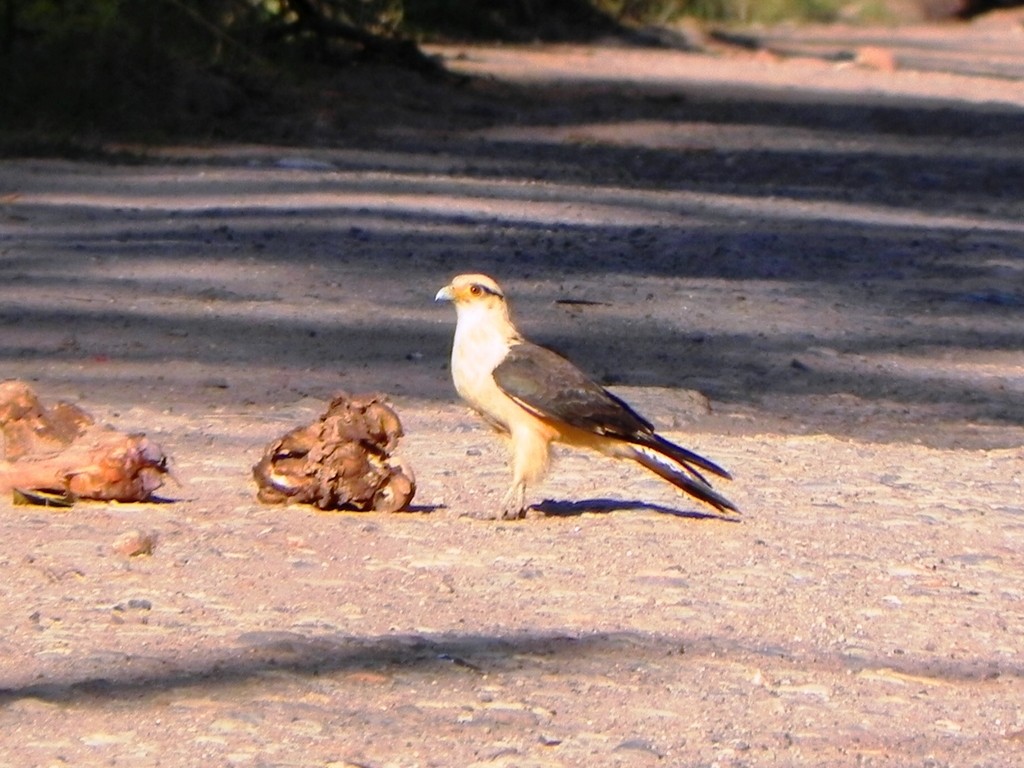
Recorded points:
690,481
685,457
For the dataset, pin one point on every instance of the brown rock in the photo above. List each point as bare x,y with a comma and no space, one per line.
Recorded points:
31,428
342,461
134,542
62,450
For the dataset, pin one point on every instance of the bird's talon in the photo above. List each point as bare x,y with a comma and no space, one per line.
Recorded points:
512,513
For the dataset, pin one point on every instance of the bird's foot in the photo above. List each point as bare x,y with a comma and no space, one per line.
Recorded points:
513,505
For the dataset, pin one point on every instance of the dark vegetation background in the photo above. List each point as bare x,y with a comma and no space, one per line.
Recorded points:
77,70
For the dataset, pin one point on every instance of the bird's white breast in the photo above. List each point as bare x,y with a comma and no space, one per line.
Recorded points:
480,345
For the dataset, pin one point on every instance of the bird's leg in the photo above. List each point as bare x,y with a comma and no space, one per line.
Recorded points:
513,505
530,453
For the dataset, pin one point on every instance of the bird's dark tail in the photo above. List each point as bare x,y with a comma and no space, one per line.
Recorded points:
683,456
685,476
692,485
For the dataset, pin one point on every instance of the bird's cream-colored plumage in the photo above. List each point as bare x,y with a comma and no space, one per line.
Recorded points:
537,397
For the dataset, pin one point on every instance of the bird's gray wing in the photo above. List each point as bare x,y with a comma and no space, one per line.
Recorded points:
548,385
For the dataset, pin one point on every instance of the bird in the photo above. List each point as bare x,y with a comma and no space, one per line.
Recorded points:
537,397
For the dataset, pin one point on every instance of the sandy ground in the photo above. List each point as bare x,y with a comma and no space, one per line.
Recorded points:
832,253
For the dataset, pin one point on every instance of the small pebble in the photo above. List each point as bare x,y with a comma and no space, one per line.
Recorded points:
638,745
134,542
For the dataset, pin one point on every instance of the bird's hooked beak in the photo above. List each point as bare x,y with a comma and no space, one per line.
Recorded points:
445,294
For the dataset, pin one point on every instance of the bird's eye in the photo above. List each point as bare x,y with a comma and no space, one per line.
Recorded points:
476,290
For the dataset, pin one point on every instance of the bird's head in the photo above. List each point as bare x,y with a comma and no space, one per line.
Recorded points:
478,299
472,291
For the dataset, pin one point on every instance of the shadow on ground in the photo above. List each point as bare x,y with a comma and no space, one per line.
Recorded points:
258,654
555,508
890,238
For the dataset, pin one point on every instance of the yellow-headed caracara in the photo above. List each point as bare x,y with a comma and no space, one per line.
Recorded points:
536,396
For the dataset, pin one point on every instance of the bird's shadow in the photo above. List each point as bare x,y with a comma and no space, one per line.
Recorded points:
555,508
161,500
424,509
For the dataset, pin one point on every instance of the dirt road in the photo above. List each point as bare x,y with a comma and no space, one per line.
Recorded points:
830,253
